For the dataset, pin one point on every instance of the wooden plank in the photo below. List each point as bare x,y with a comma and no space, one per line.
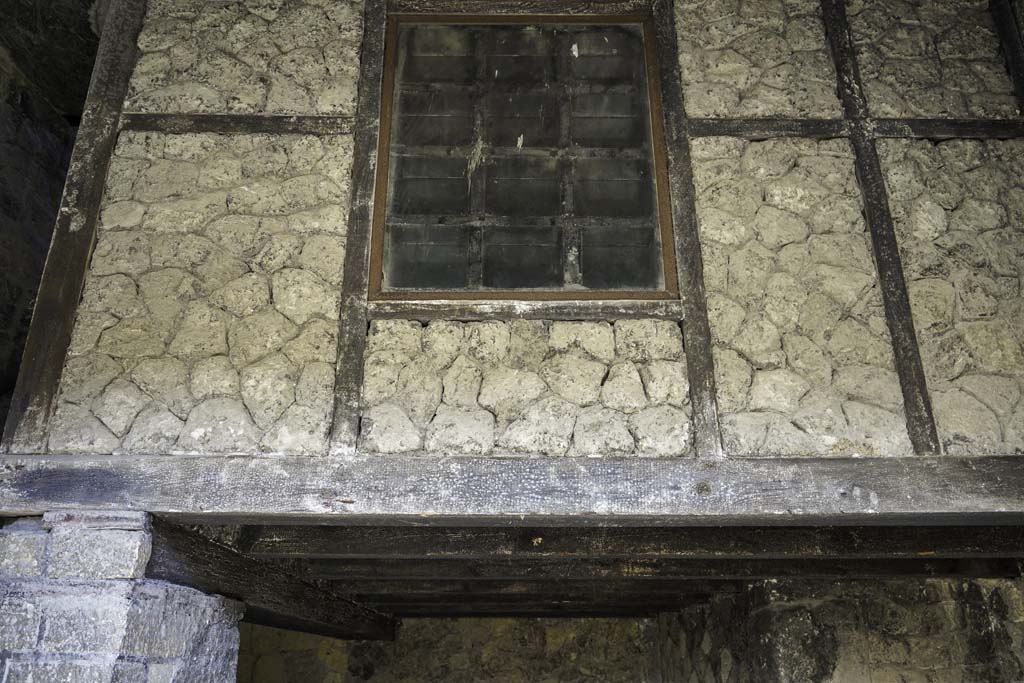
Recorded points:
576,589
1012,43
352,320
578,569
767,128
469,543
528,310
238,123
917,405
943,129
665,85
272,597
471,491
493,9
74,233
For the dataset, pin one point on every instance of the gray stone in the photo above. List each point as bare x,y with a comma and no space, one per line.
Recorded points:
154,432
876,431
22,552
165,293
661,431
243,296
462,383
130,338
994,347
442,341
404,336
268,388
623,390
214,376
666,381
73,429
545,428
316,342
117,407
301,295
85,377
115,294
83,553
966,426
254,337
460,431
202,333
315,387
120,252
324,255
487,342
574,377
507,391
301,430
386,429
419,390
871,385
380,375
594,338
528,343
778,390
166,380
219,425
601,432
732,380
646,340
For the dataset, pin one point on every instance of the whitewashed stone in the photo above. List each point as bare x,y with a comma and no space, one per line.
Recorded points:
487,342
300,430
419,391
130,338
594,338
871,385
214,376
623,390
601,432
386,429
574,377
442,341
219,425
507,391
257,335
403,336
117,407
317,341
202,333
315,387
646,340
301,295
545,428
778,390
966,426
86,376
243,296
155,431
462,383
74,430
876,430
324,255
732,380
528,343
666,381
380,375
268,388
460,431
661,431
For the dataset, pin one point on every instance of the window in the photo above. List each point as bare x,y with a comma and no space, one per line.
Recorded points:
520,158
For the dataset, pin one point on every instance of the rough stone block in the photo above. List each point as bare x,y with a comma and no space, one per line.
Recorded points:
22,548
97,553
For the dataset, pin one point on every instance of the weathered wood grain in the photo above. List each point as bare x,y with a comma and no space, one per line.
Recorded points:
238,123
74,233
942,129
471,491
528,310
272,597
696,329
917,407
766,128
1012,44
469,543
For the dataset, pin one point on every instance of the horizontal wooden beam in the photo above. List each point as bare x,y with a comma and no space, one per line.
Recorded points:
940,129
535,310
636,543
765,128
383,588
488,491
272,596
238,123
723,570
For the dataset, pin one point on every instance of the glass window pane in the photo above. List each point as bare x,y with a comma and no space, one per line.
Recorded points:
435,257
522,256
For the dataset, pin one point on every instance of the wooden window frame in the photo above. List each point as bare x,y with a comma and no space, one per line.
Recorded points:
663,206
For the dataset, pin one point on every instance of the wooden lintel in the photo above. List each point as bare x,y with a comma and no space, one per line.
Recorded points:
469,543
272,597
576,570
534,310
766,128
521,491
238,123
943,129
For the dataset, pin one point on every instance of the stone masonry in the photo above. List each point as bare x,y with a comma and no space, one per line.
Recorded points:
209,318
248,57
746,58
958,207
931,59
530,387
73,608
803,360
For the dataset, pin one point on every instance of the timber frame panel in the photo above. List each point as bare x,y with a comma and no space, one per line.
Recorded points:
349,488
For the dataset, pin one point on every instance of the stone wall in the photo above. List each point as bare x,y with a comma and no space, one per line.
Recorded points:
459,651
742,58
209,316
533,387
35,144
248,57
73,608
933,631
803,360
931,59
958,207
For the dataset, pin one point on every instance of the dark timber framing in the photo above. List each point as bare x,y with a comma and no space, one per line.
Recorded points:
423,490
75,232
1008,26
272,596
917,405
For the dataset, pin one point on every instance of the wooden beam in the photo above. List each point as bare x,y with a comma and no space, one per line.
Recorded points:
177,124
766,128
74,233
1012,43
639,570
470,543
272,597
385,589
472,491
942,129
533,310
